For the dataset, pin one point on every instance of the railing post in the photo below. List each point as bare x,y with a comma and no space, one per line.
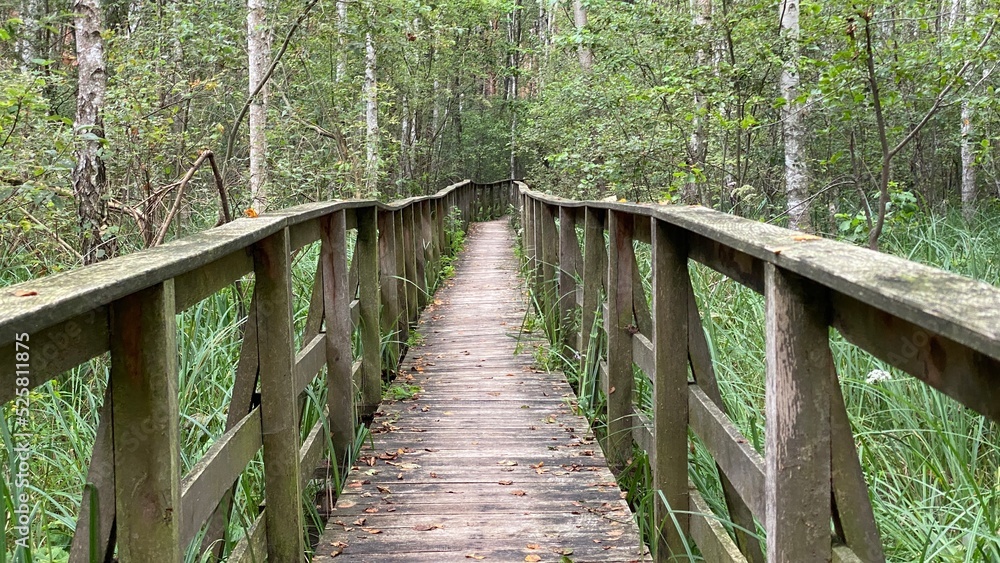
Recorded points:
538,254
797,411
550,257
278,400
595,265
146,418
432,252
389,318
670,392
366,248
529,240
403,322
619,326
337,313
570,260
410,253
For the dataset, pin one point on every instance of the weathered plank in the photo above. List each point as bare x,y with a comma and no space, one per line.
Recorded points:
279,416
670,376
146,417
619,326
336,299
797,409
366,249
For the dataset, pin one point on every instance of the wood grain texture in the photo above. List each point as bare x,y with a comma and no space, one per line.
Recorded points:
339,357
797,409
429,487
595,265
145,422
366,249
619,324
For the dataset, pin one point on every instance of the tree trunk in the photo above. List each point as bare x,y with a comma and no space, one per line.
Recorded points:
968,157
698,143
580,21
27,39
793,122
371,118
259,50
89,180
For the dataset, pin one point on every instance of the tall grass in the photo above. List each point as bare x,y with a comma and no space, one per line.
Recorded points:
932,466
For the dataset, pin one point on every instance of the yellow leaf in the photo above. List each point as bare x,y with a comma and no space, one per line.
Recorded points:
251,213
532,557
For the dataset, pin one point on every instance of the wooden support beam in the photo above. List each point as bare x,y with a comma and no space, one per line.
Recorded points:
389,319
670,403
595,266
570,270
619,325
405,306
146,418
797,410
279,405
336,309
550,264
366,250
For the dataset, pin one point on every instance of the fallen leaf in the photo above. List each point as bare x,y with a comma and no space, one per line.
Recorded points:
371,509
251,213
427,527
359,522
24,292
475,556
532,546
384,490
519,493
505,482
507,462
801,238
537,465
532,557
372,530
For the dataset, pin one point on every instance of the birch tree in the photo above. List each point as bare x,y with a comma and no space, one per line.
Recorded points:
580,21
89,178
793,121
259,52
370,92
698,143
959,12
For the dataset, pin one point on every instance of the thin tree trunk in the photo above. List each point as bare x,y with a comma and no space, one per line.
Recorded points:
959,13
341,39
514,62
580,21
698,143
89,180
25,46
371,118
259,50
793,122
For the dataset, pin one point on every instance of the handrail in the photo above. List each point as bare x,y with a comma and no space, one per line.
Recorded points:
942,328
127,306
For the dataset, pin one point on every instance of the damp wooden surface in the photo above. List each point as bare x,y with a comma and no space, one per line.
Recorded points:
487,460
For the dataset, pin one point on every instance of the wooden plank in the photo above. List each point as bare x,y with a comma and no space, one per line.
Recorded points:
643,355
797,410
964,374
311,451
366,249
410,263
619,325
308,361
98,504
670,376
145,425
56,349
570,270
304,233
253,547
213,476
854,517
339,357
710,535
550,258
405,306
595,264
191,287
279,409
420,254
732,452
389,317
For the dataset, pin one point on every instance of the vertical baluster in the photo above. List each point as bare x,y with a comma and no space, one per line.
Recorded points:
420,254
366,249
337,314
550,259
670,393
146,418
619,326
797,410
389,318
279,416
569,270
595,265
401,277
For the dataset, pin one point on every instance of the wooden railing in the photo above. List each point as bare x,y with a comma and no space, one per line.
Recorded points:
808,490
127,306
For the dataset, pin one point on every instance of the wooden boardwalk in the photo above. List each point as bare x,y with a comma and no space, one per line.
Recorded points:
487,461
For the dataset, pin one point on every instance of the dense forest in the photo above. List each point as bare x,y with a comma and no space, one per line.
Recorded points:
125,124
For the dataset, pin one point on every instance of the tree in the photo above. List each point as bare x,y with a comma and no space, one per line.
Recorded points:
793,122
259,54
370,93
89,175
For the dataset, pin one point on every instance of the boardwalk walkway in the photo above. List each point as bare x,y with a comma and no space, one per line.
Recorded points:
487,461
